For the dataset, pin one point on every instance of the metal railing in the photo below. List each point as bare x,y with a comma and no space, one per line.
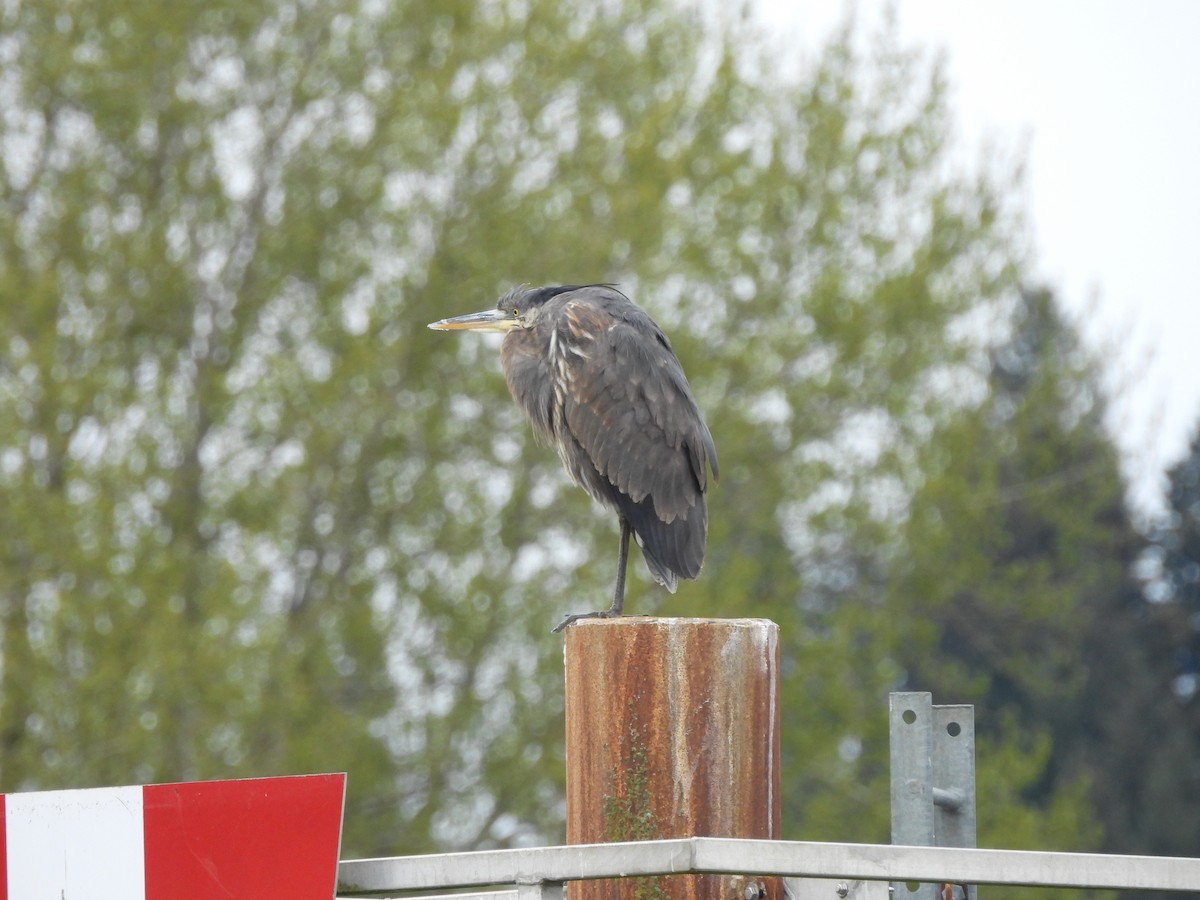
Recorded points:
933,834
859,869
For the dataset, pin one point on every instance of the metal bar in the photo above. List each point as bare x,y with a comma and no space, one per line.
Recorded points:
954,775
885,862
510,866
954,778
848,862
910,742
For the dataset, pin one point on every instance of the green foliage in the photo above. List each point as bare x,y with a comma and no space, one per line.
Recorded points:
1018,594
1159,763
1032,479
259,520
1017,811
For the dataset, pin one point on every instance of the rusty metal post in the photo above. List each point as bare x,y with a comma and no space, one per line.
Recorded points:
672,731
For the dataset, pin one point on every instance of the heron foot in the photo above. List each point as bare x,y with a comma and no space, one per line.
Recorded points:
575,617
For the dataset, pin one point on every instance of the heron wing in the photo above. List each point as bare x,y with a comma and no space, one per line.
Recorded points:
627,406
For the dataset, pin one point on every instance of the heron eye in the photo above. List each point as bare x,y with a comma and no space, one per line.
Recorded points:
516,313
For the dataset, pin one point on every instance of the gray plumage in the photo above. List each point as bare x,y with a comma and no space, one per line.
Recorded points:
598,380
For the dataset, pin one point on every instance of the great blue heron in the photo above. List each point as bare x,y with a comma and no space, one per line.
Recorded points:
597,378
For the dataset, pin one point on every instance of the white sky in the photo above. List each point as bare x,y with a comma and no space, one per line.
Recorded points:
1105,97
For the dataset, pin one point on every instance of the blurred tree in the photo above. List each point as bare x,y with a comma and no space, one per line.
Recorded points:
1017,545
1179,540
853,260
1158,792
259,520
1173,577
184,589
1031,478
1020,596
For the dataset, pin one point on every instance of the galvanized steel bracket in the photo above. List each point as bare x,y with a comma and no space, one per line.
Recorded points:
933,782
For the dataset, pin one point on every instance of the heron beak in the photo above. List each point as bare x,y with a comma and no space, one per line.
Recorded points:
488,320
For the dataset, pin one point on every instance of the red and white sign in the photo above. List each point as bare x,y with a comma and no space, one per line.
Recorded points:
254,839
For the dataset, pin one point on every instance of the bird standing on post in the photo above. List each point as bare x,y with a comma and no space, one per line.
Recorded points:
597,378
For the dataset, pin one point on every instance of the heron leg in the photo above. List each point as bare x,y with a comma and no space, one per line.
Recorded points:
618,603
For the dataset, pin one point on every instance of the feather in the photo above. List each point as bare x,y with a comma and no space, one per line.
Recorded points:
598,379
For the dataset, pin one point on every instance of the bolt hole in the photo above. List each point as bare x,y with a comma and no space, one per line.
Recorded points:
954,729
913,886
909,717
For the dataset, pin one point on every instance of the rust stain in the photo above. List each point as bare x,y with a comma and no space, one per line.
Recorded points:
672,731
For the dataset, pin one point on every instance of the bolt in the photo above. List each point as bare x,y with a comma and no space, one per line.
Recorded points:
753,891
842,889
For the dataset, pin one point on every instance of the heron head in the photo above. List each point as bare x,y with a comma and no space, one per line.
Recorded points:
498,319
516,309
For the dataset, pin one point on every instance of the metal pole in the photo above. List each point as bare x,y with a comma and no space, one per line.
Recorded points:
910,726
933,782
954,779
672,731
